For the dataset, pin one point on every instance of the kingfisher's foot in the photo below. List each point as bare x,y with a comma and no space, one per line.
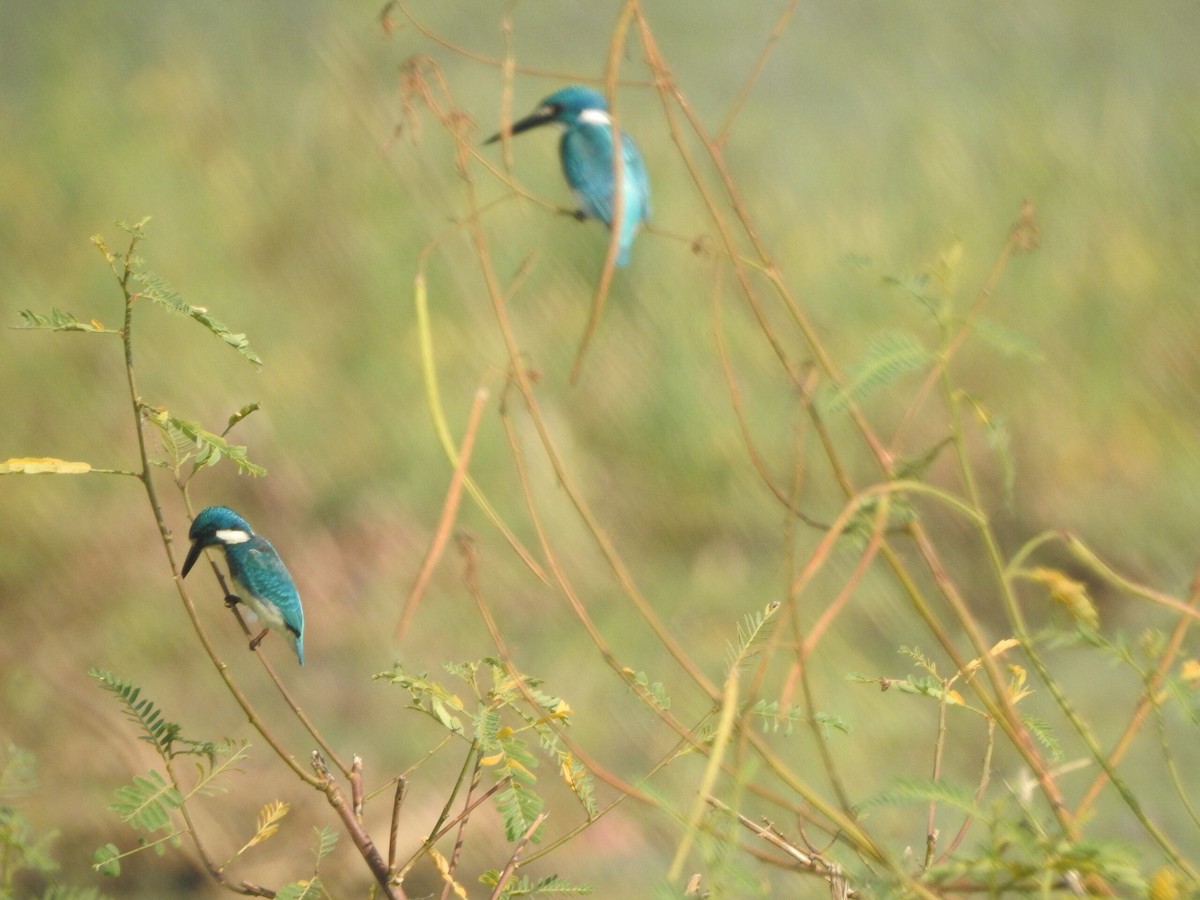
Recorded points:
580,215
232,600
258,640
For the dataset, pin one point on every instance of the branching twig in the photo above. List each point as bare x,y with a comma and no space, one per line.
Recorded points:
513,861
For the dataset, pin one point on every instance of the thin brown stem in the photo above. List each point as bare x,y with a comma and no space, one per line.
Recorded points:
1146,702
514,860
446,521
461,839
358,834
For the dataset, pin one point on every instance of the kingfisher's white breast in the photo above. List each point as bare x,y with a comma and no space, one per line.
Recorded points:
267,613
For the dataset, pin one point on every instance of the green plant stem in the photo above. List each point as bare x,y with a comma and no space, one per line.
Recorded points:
1148,701
1010,720
215,871
442,429
460,840
720,742
471,756
939,749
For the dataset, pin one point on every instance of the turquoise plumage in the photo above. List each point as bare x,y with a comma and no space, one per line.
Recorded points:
258,574
586,154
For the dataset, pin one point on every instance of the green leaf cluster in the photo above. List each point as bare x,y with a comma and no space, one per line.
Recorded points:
157,289
507,709
522,886
1020,857
58,320
888,356
157,730
652,692
148,801
776,719
753,632
185,440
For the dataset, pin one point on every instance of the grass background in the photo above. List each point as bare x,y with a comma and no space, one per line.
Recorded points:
259,138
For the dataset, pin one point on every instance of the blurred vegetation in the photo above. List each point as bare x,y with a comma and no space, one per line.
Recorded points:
883,148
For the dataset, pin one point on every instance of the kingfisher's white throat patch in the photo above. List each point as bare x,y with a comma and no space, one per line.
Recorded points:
232,536
595,117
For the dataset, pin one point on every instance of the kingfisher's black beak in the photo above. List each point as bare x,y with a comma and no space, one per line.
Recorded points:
193,555
540,116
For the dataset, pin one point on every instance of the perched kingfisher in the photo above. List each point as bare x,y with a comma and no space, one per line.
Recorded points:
261,578
586,151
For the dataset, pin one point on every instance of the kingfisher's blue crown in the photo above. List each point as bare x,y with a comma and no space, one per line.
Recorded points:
213,519
571,101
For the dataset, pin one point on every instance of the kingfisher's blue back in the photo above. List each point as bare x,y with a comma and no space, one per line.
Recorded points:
268,588
586,151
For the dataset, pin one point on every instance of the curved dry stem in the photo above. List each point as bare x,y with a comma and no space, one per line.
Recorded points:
755,73
442,429
494,62
616,47
1147,702
446,521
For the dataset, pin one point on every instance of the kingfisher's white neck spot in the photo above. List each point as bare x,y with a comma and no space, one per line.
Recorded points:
595,117
232,536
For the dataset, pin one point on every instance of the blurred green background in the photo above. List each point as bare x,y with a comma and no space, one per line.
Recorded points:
259,137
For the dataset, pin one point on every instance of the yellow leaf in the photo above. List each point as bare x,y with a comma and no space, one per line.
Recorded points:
1003,646
1017,686
1164,885
43,465
443,868
268,823
1070,593
954,697
491,760
945,270
1189,671
1000,648
567,767
562,710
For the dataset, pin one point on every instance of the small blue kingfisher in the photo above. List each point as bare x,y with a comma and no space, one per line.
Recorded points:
586,151
258,573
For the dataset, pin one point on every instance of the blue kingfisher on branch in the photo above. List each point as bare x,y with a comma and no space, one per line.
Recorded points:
258,574
586,152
